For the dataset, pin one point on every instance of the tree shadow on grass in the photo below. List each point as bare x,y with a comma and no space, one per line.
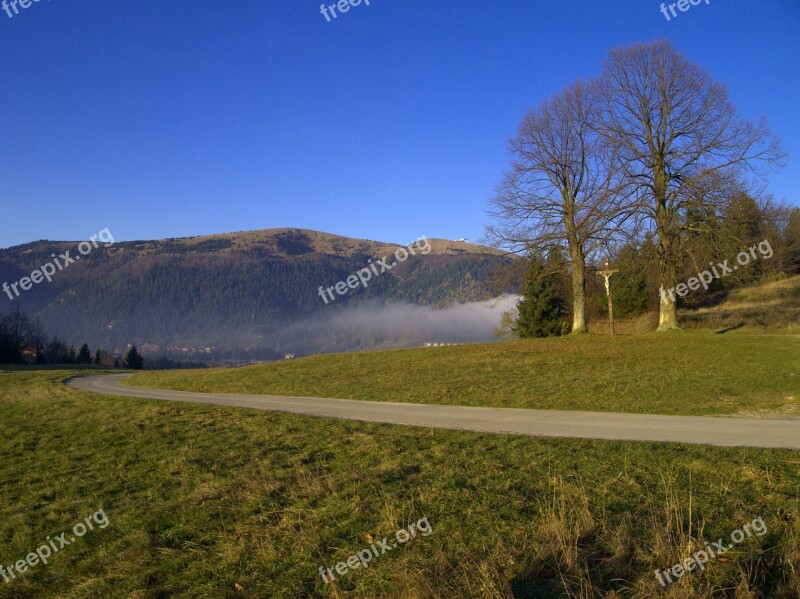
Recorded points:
738,325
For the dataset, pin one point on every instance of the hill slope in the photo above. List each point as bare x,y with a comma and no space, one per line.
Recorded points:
774,305
237,291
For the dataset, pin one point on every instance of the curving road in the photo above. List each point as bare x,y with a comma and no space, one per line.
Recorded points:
706,430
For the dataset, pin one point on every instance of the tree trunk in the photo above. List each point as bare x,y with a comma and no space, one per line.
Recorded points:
668,316
667,270
578,292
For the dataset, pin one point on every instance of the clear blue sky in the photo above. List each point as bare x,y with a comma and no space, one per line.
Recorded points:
164,119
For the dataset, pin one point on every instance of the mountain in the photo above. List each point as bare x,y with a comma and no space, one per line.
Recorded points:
254,293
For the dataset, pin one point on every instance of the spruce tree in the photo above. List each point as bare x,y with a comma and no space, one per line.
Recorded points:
743,226
71,356
792,241
133,360
541,311
84,355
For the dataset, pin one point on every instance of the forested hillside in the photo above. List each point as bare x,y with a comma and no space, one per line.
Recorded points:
234,292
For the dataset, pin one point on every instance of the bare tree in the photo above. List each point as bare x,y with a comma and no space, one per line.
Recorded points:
563,189
37,336
18,324
13,327
677,133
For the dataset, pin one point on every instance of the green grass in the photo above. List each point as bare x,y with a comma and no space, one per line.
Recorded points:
201,498
675,373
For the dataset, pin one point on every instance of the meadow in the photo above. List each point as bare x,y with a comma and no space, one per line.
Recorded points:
689,373
207,501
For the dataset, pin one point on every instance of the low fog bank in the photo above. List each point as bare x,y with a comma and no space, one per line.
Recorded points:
373,326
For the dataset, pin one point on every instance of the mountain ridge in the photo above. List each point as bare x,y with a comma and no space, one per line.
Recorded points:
238,291
322,240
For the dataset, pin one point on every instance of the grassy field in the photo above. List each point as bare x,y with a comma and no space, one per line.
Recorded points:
675,373
216,502
771,307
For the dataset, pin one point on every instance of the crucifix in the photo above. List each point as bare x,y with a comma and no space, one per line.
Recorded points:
606,274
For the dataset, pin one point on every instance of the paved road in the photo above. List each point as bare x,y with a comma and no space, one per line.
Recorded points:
708,430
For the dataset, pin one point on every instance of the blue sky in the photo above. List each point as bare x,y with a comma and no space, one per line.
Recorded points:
167,119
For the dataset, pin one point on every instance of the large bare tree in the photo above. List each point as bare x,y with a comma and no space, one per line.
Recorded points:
563,189
676,132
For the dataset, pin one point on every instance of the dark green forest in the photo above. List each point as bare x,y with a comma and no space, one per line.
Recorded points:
233,296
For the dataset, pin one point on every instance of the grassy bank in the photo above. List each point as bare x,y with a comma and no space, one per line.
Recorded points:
201,499
676,373
772,307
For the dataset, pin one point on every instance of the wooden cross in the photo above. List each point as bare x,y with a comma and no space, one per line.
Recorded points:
606,274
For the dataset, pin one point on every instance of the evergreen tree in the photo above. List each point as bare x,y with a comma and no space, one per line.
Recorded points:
742,227
84,355
71,357
133,360
98,358
542,313
792,242
743,221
